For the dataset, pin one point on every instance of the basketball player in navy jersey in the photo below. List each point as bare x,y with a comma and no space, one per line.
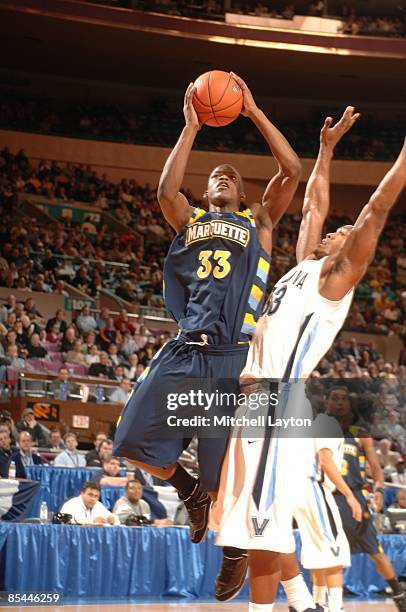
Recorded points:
214,280
359,450
305,312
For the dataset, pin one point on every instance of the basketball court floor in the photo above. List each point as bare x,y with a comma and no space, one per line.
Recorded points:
379,605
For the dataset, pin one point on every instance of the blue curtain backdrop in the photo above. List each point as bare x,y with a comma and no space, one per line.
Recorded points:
114,562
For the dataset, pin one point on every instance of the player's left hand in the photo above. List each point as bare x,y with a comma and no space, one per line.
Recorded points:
378,501
249,106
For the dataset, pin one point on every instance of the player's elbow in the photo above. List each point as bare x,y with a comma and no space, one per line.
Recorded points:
293,169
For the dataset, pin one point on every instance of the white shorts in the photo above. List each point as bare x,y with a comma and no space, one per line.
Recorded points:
324,543
260,481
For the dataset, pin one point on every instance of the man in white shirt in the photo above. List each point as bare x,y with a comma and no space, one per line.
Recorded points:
70,456
86,509
122,393
131,502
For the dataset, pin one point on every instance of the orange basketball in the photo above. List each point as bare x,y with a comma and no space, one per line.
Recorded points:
218,98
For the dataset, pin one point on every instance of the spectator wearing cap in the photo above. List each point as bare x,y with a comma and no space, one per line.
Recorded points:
70,456
86,508
25,456
29,423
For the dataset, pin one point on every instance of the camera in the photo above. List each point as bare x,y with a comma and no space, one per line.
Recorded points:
137,520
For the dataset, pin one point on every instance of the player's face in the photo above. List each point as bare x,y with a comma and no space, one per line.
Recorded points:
333,242
224,189
338,403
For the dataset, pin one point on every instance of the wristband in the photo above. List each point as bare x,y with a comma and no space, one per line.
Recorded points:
380,490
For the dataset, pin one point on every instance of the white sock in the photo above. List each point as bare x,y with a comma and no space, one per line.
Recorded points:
253,607
335,599
320,594
297,593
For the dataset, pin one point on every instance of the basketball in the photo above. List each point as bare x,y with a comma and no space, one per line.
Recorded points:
218,98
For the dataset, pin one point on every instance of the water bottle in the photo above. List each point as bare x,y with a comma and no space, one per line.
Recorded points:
63,392
12,470
43,513
99,394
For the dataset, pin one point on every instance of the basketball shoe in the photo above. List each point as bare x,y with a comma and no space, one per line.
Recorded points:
233,573
198,506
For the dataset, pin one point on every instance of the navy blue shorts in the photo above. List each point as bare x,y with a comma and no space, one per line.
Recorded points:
362,537
143,433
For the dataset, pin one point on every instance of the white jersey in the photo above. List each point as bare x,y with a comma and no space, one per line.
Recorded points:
329,435
298,326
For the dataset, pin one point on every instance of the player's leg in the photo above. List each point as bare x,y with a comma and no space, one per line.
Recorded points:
332,579
385,568
297,593
319,588
265,573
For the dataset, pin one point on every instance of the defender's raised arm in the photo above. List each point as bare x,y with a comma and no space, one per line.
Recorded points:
350,263
175,207
317,197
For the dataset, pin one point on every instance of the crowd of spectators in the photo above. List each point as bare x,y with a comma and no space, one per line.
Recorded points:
388,26
160,122
380,301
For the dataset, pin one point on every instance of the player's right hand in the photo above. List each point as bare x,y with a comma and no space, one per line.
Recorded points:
355,507
330,135
191,118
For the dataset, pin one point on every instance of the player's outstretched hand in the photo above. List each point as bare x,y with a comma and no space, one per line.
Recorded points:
331,134
191,117
249,106
355,507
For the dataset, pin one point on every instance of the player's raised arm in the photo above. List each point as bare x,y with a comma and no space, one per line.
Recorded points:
175,207
281,189
351,261
316,202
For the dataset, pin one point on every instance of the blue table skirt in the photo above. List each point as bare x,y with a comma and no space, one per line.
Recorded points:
60,484
117,562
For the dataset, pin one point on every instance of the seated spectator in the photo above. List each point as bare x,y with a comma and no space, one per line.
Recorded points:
7,421
24,456
5,453
70,456
131,502
87,509
29,423
53,335
108,475
59,320
95,457
55,440
400,500
122,393
35,349
61,388
76,355
108,334
86,322
92,356
68,340
100,437
16,362
130,372
102,369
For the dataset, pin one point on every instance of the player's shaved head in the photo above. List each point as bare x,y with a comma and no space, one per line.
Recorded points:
229,170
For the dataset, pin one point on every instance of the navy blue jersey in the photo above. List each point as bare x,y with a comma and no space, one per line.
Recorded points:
353,469
215,276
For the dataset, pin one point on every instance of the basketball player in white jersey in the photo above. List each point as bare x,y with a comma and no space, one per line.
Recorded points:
307,309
